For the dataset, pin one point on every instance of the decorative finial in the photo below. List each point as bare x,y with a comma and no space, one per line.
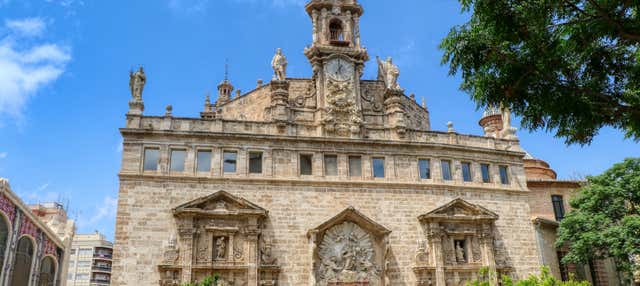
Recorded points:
413,96
424,103
169,110
450,127
226,69
259,84
238,93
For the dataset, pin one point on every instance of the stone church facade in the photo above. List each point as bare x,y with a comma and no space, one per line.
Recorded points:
328,180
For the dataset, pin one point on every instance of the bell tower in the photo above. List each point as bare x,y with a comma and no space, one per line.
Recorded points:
337,58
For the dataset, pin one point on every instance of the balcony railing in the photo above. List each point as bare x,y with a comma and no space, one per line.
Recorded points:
101,281
101,268
103,255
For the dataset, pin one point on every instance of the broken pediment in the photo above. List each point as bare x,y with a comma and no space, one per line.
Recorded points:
220,204
459,209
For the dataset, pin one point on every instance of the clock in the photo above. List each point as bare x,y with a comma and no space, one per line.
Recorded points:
339,69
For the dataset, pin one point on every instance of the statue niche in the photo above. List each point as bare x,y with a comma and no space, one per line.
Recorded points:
218,234
350,249
461,237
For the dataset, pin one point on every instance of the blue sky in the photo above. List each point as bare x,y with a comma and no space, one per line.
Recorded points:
64,68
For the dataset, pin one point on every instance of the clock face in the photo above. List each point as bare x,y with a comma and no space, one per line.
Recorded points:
339,69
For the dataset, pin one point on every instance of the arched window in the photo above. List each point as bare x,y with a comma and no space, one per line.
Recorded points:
337,32
22,265
4,238
47,272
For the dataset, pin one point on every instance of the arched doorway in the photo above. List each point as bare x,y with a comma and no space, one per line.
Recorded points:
47,272
4,239
22,265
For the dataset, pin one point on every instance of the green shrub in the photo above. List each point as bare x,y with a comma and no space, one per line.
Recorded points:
544,279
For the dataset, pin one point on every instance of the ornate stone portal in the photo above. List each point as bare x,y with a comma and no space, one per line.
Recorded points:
460,241
350,249
219,234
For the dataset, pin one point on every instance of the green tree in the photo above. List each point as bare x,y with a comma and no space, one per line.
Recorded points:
572,66
605,218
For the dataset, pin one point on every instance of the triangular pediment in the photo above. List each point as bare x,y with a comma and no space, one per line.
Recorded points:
218,204
459,209
352,215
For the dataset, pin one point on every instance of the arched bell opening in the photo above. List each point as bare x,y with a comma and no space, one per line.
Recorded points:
23,261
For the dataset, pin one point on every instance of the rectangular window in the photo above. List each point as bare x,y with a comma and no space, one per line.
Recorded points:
355,166
255,162
425,169
230,161
84,264
466,172
204,161
558,207
378,167
151,159
85,252
73,251
446,170
504,175
330,165
306,164
564,270
486,174
177,160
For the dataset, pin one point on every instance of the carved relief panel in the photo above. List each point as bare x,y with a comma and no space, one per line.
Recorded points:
350,249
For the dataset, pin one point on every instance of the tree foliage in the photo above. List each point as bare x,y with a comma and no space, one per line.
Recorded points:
605,218
207,281
544,279
567,65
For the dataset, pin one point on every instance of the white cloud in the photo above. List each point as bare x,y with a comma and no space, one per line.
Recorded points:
3,155
105,210
29,27
26,67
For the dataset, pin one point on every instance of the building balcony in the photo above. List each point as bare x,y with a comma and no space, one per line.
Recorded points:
100,281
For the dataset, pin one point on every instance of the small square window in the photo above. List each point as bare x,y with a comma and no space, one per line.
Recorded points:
177,160
425,169
151,159
306,164
466,172
486,174
255,162
446,170
355,166
204,161
330,165
230,161
504,175
378,167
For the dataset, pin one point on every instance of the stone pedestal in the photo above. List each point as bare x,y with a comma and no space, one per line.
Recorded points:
135,107
394,110
280,102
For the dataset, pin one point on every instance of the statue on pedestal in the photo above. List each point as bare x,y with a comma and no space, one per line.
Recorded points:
221,248
137,80
389,73
279,64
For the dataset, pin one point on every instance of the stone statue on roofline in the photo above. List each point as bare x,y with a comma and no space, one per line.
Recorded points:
137,80
508,131
389,73
279,64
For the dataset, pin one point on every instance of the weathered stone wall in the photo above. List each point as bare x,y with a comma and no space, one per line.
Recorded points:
297,204
145,222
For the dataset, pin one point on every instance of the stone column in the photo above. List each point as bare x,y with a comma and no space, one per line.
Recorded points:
356,29
312,255
185,236
314,18
489,260
435,237
253,259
